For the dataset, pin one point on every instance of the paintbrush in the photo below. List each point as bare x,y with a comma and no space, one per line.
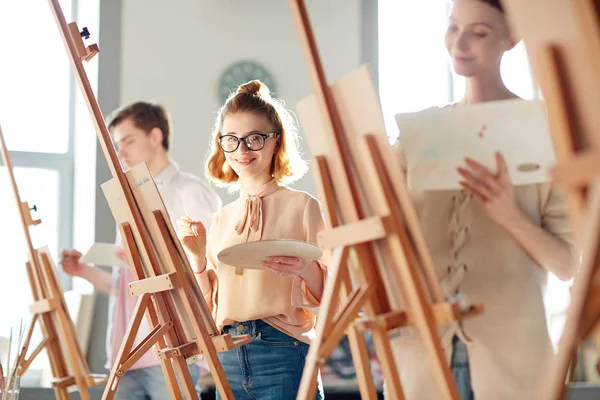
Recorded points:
7,387
15,368
8,358
192,225
12,373
1,379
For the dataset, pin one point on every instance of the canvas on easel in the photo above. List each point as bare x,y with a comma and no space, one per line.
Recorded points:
381,272
562,38
67,361
182,325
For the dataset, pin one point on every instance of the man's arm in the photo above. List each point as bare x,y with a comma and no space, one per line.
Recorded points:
71,265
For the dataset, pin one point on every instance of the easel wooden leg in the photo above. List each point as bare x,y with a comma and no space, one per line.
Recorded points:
344,318
142,348
356,338
360,353
63,320
331,292
21,360
383,348
157,314
361,359
170,378
424,320
137,316
56,363
50,342
397,197
418,296
124,361
563,121
62,393
576,314
331,328
186,379
591,314
24,361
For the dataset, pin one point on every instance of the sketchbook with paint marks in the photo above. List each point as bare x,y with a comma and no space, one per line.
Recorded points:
437,140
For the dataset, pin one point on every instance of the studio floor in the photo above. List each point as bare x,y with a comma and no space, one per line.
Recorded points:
576,392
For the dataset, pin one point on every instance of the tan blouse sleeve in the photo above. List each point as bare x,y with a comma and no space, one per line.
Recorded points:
211,266
313,223
554,217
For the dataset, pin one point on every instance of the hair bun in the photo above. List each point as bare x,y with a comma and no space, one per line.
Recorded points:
255,88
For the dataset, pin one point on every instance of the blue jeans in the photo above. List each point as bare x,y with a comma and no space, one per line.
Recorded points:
460,369
149,384
268,368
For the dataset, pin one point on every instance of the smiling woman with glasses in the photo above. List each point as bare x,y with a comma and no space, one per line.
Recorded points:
254,149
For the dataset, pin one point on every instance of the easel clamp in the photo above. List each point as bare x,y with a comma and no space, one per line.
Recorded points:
363,231
84,53
155,284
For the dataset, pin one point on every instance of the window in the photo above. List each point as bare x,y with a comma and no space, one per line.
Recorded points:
413,67
414,74
39,112
35,79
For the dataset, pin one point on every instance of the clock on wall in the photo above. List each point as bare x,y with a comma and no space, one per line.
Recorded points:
241,72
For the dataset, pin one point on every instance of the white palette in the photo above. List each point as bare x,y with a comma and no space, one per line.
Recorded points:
251,255
436,141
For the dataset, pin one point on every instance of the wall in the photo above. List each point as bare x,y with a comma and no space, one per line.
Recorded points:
174,52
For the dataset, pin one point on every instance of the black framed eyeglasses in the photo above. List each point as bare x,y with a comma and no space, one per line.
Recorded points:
254,141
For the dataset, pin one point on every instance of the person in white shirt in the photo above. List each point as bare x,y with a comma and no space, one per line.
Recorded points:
142,133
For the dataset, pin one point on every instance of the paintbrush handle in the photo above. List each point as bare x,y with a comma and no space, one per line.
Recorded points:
1,381
191,225
8,358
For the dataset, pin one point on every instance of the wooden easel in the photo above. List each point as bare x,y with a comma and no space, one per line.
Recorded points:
168,293
369,212
67,361
567,62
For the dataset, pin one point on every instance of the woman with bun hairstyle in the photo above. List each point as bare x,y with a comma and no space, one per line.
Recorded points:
254,150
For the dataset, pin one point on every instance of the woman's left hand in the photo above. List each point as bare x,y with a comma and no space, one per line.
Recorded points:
287,266
494,191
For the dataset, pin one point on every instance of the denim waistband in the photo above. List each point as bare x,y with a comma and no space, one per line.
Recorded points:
246,327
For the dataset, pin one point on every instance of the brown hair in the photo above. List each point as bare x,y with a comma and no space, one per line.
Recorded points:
494,3
254,96
145,116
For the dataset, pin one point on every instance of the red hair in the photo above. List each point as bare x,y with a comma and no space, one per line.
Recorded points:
254,96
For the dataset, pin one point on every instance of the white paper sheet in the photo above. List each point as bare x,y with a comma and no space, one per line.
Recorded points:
104,254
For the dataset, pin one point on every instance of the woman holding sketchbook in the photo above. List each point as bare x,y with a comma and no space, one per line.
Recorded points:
492,242
254,150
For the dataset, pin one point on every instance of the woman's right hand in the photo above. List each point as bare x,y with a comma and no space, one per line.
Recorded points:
192,235
70,263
